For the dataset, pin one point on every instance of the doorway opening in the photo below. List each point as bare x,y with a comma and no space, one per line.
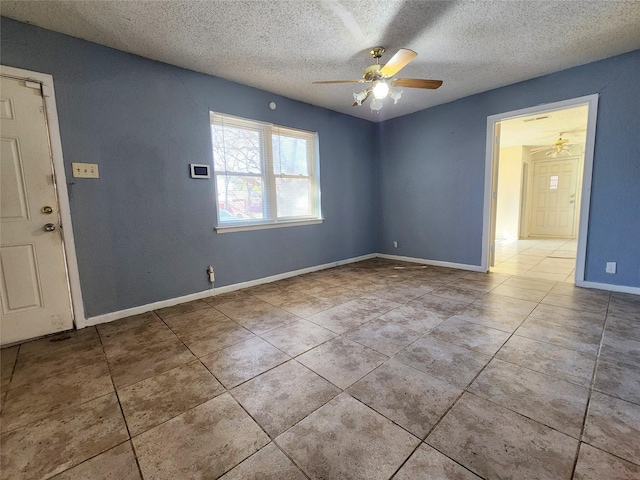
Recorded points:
538,181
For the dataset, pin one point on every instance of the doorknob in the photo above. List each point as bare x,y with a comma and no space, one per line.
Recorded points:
47,209
49,227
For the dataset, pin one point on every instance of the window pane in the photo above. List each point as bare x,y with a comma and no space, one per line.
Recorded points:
236,149
293,197
239,198
290,155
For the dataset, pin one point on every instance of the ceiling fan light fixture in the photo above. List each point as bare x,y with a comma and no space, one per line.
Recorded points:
359,97
376,104
395,94
380,89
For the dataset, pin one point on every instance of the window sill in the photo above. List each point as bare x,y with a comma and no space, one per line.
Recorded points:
262,226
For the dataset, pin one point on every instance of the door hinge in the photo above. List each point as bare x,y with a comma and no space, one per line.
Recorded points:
494,195
493,248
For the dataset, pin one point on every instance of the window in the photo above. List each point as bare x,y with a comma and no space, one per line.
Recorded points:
266,175
553,182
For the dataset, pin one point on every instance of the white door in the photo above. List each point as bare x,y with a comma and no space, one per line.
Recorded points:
554,197
34,292
494,194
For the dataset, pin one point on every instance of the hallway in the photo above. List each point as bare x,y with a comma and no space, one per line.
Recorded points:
546,259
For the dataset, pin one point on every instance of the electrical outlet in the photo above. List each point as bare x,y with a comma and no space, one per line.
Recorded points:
396,244
611,267
85,170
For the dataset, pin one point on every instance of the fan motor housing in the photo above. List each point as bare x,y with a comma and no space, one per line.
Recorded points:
372,73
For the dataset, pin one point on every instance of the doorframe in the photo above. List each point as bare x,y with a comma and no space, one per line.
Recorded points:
60,182
489,188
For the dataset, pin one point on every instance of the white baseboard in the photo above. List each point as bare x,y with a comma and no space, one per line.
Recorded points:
609,287
436,263
110,317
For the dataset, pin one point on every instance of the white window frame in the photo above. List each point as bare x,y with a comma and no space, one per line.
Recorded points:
268,176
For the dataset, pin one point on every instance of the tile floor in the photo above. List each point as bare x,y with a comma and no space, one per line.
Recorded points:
373,370
546,259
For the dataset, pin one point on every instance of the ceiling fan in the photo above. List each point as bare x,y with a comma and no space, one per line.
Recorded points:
382,83
558,147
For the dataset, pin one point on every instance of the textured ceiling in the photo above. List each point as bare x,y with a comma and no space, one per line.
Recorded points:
282,46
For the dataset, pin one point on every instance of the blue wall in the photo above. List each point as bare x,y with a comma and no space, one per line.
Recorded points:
145,230
431,169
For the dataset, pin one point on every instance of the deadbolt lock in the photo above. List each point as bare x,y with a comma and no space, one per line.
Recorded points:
49,227
47,209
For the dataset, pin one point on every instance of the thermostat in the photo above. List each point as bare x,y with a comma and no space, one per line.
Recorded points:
200,171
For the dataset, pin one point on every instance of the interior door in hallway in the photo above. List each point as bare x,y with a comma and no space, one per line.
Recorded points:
553,206
34,292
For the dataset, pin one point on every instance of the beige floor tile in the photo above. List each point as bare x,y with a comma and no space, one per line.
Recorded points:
33,402
129,341
376,447
342,361
623,327
267,464
547,400
574,338
621,349
157,399
278,296
224,333
446,361
181,308
203,442
135,321
384,337
307,305
215,300
344,317
412,399
63,440
625,305
439,306
558,362
594,464
8,358
148,361
119,463
414,318
551,276
403,292
459,292
32,368
495,442
197,320
491,317
268,319
243,361
280,398
58,343
582,303
590,321
428,461
470,335
613,425
298,337
339,295
619,379
507,304
530,284
521,293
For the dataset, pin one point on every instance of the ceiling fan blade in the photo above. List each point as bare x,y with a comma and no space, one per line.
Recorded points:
416,83
338,81
398,62
356,104
541,149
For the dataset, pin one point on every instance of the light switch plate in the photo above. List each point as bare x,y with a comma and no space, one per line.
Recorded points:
611,267
85,170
